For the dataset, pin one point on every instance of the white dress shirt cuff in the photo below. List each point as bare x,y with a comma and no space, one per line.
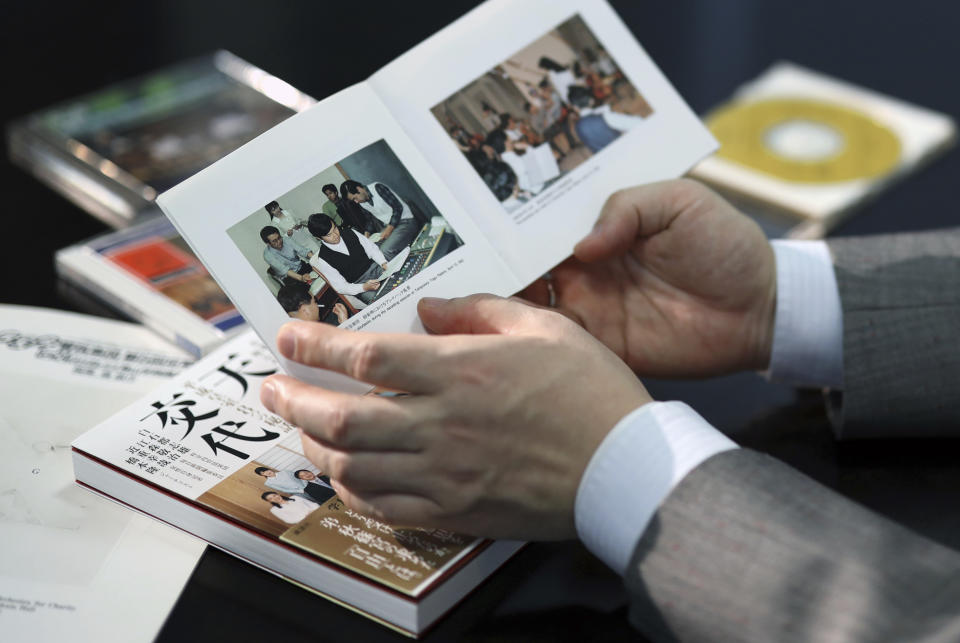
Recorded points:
808,332
636,466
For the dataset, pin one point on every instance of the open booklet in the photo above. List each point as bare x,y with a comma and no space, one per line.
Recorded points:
486,152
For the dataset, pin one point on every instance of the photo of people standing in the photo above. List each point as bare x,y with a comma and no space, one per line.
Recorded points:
344,238
277,489
541,113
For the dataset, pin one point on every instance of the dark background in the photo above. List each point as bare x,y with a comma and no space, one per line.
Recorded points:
54,51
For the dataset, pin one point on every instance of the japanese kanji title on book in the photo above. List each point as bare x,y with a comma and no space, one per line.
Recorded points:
196,434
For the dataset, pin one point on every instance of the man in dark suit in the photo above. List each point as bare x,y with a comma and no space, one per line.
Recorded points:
503,436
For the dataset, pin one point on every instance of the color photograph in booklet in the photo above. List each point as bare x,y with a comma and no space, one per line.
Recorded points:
542,112
344,238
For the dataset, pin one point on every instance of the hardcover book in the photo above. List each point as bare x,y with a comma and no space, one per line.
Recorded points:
201,453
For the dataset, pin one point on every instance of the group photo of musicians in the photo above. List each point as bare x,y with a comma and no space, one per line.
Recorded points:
328,248
542,112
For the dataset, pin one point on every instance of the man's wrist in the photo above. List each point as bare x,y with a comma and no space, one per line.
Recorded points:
808,331
642,459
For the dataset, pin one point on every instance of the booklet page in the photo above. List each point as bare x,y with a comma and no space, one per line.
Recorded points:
309,221
533,113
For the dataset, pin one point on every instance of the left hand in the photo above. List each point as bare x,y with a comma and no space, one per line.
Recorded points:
674,280
505,412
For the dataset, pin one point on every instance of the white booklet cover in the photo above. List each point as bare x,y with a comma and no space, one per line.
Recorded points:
73,562
427,153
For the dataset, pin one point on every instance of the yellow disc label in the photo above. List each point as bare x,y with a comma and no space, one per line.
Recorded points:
805,141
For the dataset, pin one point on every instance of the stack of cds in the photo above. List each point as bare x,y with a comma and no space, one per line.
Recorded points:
113,151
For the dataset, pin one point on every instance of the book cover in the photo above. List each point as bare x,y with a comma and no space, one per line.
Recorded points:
202,454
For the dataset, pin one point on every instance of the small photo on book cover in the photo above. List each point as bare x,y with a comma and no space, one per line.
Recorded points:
283,494
344,238
277,489
542,112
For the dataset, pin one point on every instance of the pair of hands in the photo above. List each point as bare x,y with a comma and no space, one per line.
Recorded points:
510,400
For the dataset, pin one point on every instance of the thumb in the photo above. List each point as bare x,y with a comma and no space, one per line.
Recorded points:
634,213
473,315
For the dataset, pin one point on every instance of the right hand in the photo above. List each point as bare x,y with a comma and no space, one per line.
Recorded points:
373,284
508,404
674,280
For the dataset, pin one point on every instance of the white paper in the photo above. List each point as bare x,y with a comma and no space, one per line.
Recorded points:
73,563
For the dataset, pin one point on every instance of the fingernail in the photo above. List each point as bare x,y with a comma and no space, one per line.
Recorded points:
287,342
267,393
432,302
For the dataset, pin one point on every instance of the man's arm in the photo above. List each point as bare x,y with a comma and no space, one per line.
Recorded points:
373,250
303,253
334,278
746,548
901,313
278,264
395,204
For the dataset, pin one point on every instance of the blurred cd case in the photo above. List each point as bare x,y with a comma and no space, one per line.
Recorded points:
800,150
148,273
113,151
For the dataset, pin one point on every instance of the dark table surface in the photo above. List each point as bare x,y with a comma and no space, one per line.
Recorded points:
556,591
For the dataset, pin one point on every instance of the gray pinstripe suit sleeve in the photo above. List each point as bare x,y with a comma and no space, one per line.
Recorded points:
901,334
746,548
